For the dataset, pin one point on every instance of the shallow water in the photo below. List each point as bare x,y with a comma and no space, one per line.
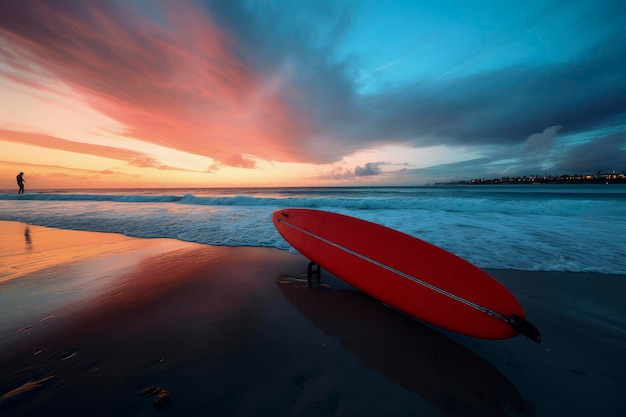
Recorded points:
528,227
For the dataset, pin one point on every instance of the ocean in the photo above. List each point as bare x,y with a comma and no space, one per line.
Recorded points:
576,228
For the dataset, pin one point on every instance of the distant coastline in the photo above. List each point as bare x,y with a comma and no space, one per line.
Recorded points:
598,178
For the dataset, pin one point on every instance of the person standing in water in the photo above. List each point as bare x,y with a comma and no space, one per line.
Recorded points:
20,182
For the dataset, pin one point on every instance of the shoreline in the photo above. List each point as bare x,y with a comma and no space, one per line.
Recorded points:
92,319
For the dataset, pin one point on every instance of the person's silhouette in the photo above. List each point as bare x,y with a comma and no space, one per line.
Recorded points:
20,182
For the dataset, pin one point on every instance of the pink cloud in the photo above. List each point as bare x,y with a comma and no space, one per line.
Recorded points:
178,85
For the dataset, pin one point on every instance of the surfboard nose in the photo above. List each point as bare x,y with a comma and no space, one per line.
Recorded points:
280,214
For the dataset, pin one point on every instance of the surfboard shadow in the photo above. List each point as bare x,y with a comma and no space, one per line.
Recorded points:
409,353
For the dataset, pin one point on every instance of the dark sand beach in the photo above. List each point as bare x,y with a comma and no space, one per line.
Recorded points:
90,321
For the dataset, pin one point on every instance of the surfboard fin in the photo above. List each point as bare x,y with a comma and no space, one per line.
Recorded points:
524,327
313,274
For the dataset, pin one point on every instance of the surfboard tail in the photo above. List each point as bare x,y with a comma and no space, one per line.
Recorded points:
522,326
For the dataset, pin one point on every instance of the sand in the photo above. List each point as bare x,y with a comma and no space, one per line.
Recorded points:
90,321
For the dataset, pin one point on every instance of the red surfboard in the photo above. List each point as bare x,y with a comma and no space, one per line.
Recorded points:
406,273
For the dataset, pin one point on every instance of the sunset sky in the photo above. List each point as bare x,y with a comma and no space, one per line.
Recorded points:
288,93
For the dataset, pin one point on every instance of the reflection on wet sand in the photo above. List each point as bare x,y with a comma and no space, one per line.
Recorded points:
27,238
416,357
162,316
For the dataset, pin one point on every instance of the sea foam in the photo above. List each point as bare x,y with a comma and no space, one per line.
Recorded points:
551,230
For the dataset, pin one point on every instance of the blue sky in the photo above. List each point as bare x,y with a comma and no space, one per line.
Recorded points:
320,92
413,40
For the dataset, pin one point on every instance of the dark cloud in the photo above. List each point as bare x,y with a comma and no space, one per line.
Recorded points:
456,171
539,143
506,106
369,169
536,155
603,154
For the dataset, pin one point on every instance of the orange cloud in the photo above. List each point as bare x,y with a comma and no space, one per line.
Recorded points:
51,142
149,162
55,175
133,158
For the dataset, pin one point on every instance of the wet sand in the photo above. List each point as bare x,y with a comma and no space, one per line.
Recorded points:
90,321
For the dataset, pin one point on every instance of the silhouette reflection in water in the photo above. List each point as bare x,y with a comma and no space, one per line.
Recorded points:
27,238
